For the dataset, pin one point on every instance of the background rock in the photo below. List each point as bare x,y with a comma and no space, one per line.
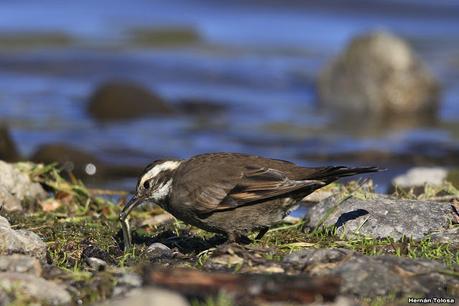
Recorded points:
82,164
381,216
378,73
16,186
34,288
370,276
418,177
8,150
201,107
125,100
20,241
21,264
69,158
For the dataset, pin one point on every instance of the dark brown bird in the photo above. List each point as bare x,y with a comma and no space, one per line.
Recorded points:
230,193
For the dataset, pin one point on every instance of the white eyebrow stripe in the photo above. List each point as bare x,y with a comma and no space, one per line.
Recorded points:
168,165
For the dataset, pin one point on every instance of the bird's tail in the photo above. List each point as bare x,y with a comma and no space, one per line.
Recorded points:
330,174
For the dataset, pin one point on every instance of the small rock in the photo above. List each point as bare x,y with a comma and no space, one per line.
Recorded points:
125,100
21,264
227,260
8,150
449,236
96,264
150,296
35,288
16,186
20,241
158,251
306,257
381,217
8,201
130,279
126,282
339,301
92,252
267,269
379,74
370,276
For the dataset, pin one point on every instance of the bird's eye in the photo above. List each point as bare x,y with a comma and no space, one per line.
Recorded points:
146,184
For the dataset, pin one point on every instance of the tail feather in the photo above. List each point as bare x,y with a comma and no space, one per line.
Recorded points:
330,174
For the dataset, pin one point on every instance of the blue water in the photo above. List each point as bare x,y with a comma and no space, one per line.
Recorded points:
258,58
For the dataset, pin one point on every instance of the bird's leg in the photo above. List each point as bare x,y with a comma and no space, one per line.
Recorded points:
238,238
262,232
231,237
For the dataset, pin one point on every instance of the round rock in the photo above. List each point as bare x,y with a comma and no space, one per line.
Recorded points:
35,288
20,241
379,74
21,264
125,100
16,186
158,250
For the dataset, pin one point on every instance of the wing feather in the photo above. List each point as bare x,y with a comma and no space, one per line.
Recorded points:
253,185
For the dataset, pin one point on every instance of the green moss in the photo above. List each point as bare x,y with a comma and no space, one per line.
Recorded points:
288,238
453,178
220,300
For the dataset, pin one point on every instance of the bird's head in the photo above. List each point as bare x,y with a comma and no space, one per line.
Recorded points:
154,185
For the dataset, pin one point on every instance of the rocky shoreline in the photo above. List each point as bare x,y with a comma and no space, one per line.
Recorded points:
60,244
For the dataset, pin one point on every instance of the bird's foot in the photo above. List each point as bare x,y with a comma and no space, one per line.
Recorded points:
238,238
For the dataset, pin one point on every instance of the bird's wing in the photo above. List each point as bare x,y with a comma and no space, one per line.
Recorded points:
248,185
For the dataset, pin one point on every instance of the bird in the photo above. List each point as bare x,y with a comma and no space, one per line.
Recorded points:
229,193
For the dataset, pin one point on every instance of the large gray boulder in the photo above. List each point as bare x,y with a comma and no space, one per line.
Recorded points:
378,74
20,241
16,186
381,216
370,276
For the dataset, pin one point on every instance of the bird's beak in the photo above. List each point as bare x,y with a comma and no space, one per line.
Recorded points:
135,201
